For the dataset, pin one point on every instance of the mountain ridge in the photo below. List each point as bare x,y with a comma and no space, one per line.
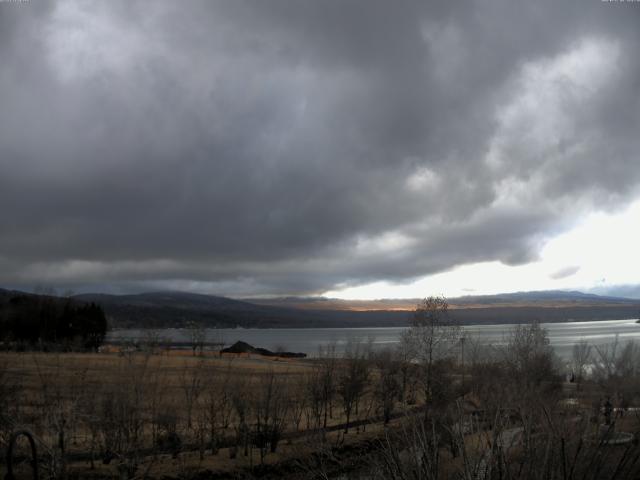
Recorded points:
162,309
548,298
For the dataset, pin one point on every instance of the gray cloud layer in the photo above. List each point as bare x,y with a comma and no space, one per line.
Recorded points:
293,146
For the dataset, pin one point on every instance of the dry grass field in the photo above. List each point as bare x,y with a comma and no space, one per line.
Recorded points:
171,414
174,415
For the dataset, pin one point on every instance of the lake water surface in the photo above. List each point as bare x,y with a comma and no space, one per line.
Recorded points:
307,340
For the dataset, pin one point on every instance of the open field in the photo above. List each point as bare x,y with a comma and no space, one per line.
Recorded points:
147,407
146,414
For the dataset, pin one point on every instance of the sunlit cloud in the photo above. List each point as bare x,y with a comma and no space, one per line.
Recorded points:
600,252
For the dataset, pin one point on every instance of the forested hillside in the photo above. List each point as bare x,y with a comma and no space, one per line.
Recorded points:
28,321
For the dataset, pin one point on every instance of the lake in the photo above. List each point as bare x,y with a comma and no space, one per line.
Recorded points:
307,340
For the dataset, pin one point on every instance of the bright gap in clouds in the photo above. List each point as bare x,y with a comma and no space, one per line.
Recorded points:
600,252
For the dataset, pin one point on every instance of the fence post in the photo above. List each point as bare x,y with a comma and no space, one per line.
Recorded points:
34,456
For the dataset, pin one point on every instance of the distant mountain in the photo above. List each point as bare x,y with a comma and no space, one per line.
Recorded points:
546,298
177,309
323,303
177,300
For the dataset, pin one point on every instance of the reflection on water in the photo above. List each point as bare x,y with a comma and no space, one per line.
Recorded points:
307,340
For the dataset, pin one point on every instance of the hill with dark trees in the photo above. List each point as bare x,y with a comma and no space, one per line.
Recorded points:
178,309
55,319
29,321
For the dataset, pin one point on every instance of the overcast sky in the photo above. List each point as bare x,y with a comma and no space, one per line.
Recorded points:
351,148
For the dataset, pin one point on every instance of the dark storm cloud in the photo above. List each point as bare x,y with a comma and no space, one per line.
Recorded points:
290,147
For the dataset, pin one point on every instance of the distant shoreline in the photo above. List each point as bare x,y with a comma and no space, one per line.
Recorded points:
307,340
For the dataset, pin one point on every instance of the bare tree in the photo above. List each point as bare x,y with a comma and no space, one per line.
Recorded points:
353,377
218,405
432,336
627,363
315,394
407,368
580,359
192,385
10,407
123,416
269,412
387,386
327,382
298,402
605,364
410,452
197,337
529,357
60,406
617,369
240,400
151,341
218,342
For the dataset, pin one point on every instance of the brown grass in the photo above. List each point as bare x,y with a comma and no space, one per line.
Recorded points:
90,375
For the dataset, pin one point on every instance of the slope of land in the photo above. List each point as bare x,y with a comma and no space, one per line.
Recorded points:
179,309
163,309
546,299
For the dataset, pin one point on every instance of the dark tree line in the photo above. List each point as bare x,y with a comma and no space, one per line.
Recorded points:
33,321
